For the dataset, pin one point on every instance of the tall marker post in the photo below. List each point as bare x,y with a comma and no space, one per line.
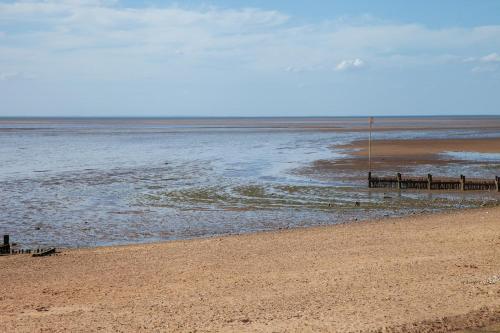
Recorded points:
370,146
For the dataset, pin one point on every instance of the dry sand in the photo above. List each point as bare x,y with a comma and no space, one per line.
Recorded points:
429,273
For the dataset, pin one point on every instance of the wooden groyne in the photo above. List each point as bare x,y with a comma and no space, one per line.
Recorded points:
429,183
7,249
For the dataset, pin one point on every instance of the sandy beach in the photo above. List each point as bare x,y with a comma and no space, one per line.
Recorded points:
263,166
428,273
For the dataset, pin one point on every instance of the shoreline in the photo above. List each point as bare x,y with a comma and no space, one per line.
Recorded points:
344,222
349,277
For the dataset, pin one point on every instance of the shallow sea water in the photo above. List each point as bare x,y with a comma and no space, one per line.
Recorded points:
88,183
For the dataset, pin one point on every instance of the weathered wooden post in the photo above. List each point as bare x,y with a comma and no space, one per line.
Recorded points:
369,179
5,248
497,183
462,183
429,181
370,145
399,180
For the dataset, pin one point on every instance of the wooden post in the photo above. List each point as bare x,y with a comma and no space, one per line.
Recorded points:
370,145
369,179
462,183
399,180
5,248
429,181
497,183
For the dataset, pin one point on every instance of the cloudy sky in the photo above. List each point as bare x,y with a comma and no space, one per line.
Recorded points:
249,58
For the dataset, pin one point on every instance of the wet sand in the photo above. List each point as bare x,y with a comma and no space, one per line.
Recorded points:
418,148
402,155
428,273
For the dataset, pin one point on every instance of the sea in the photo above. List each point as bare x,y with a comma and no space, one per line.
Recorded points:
84,182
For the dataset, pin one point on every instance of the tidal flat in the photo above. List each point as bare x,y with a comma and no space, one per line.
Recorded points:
92,182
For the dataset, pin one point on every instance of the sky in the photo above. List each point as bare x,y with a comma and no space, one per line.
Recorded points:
249,58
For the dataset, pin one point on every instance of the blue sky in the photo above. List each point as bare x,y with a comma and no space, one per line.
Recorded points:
249,58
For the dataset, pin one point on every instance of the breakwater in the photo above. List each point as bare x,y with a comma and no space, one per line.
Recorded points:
429,182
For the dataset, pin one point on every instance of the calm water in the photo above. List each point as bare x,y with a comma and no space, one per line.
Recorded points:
88,182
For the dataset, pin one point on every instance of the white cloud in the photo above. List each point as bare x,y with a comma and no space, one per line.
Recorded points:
292,69
469,59
7,76
95,38
350,64
493,57
484,64
13,75
484,69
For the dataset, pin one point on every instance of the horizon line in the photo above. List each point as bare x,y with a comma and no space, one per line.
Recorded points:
245,117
